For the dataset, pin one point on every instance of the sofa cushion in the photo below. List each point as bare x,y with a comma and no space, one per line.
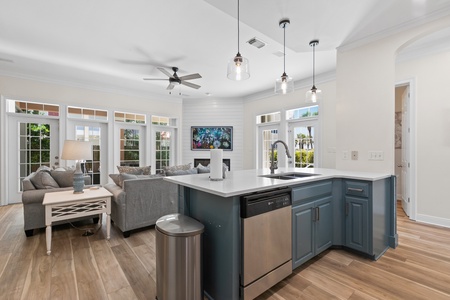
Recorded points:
135,170
63,178
43,180
125,176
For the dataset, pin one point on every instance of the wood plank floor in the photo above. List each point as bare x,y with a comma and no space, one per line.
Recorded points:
94,268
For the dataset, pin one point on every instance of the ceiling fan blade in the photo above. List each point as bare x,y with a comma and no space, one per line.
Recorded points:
155,79
170,86
6,60
191,76
165,72
191,85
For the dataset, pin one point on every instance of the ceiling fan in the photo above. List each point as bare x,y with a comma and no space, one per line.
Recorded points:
176,80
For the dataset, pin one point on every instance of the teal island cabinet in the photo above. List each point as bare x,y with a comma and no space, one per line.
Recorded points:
332,208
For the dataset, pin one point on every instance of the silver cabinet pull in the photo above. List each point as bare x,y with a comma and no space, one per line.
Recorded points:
346,209
355,190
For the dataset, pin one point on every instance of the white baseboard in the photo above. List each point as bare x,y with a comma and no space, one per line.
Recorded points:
433,220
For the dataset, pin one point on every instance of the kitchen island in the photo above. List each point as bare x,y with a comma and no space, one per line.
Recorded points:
331,208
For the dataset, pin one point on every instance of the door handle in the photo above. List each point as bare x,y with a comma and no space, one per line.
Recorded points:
355,190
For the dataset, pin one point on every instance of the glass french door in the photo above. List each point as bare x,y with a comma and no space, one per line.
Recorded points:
164,147
304,140
266,137
131,147
32,142
95,133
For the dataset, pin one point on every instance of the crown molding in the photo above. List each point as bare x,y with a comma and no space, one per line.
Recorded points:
346,46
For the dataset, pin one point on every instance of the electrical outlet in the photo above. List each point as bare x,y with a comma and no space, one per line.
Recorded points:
345,155
354,155
376,155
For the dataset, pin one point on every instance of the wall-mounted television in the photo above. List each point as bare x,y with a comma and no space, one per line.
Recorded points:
212,137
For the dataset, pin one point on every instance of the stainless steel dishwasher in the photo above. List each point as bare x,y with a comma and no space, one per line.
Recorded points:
266,240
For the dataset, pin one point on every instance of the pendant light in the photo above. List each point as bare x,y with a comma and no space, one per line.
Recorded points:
285,84
238,68
314,95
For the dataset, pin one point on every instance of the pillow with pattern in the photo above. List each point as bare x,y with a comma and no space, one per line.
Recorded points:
134,170
177,168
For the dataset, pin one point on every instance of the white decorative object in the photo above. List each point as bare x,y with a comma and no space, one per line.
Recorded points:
216,166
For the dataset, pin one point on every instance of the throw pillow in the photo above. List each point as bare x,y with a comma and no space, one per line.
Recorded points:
202,169
176,168
63,178
134,170
43,180
27,184
115,178
181,172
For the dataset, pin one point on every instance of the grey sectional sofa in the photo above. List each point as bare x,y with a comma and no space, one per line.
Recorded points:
141,201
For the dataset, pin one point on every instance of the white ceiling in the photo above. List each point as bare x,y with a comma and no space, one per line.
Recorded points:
113,44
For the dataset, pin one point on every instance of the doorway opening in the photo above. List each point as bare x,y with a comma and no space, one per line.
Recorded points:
404,128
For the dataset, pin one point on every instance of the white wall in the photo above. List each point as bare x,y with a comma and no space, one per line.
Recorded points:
365,108
252,108
213,112
432,90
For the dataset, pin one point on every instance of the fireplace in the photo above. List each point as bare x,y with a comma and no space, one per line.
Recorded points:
205,162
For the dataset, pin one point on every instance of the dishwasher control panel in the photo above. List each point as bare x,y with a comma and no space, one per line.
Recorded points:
259,203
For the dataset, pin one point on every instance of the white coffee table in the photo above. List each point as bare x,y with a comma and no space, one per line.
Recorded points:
66,205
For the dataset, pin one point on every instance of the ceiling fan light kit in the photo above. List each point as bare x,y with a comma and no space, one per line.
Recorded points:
284,84
314,94
238,67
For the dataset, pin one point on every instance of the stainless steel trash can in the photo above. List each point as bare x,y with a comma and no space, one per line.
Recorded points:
179,258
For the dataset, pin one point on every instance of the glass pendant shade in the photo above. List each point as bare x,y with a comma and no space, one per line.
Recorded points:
284,84
238,68
313,95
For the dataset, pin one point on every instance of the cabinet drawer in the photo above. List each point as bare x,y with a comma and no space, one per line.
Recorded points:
357,188
311,191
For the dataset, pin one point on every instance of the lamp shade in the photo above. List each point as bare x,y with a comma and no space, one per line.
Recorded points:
76,150
284,85
314,95
238,68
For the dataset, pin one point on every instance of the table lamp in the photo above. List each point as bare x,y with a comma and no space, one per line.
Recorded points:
77,150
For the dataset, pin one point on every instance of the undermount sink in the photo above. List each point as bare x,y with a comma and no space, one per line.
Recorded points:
289,176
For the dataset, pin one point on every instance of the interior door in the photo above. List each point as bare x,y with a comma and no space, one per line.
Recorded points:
405,178
32,142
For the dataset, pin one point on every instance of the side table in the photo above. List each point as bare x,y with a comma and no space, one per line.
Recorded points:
66,205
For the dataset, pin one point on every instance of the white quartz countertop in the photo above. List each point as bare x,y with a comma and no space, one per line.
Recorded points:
248,181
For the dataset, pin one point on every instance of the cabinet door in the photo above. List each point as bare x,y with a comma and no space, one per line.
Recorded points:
302,233
356,223
323,224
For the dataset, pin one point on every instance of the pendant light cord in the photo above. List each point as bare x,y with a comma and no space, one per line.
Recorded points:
284,48
314,65
238,24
